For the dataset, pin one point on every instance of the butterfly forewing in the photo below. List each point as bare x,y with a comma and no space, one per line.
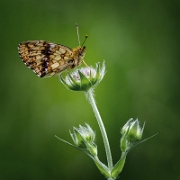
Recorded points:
47,59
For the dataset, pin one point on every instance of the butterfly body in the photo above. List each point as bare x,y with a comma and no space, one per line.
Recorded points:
47,59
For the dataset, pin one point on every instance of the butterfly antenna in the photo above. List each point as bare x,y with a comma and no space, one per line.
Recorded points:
77,28
84,40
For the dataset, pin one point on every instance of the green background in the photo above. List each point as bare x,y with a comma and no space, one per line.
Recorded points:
139,41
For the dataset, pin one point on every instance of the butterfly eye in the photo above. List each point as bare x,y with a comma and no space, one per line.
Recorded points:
81,51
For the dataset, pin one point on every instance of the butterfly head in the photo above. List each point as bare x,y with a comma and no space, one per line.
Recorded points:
79,54
81,51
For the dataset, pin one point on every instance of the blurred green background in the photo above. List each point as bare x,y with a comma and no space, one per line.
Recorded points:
139,40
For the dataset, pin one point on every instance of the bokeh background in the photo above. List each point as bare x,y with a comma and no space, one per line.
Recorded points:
139,41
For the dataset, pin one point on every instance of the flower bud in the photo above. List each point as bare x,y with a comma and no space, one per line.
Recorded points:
85,78
84,137
77,138
135,131
131,133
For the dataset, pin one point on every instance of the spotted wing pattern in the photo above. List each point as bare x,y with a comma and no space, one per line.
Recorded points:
47,59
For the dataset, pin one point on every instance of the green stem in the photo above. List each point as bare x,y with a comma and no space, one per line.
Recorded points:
90,97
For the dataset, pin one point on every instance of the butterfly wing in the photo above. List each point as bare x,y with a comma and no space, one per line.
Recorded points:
46,59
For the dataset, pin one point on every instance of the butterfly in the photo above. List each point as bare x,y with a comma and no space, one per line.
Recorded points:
47,59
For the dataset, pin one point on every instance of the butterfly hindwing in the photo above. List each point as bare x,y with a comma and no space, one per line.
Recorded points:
45,58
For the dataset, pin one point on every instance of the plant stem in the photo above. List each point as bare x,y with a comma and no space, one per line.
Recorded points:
90,97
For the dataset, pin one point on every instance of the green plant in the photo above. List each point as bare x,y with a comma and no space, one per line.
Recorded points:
86,79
